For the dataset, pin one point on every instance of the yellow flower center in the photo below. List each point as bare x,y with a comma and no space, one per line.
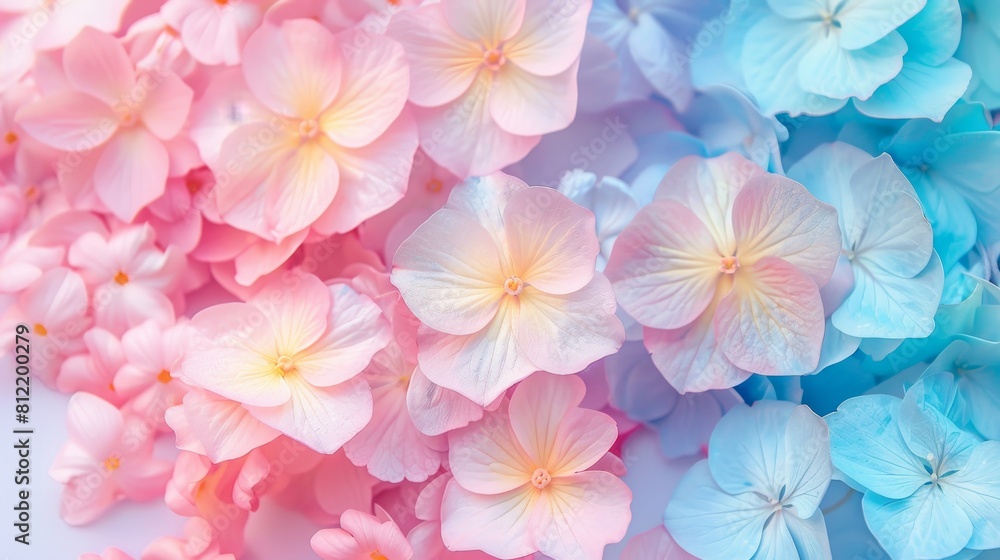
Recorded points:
541,478
308,128
494,58
285,364
513,285
112,463
729,265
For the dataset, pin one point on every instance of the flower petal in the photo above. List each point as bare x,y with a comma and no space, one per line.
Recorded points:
131,172
774,216
323,418
453,284
552,240
581,514
665,266
294,69
97,64
167,104
550,39
927,524
691,358
828,69
772,321
436,410
498,524
375,85
487,21
69,121
976,488
486,458
525,104
565,334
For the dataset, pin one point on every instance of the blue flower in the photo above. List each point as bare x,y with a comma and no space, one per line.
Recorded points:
609,199
952,167
758,493
887,244
976,366
652,38
931,80
931,489
894,59
979,47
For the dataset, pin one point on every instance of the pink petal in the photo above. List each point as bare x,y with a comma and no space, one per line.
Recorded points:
453,284
490,22
479,366
69,121
96,64
293,195
337,544
372,178
167,103
691,358
297,312
247,156
583,438
375,84
442,63
462,136
322,418
772,322
225,429
355,331
499,524
708,187
486,457
552,241
582,514
363,526
565,334
237,374
57,297
655,543
390,446
294,69
94,423
549,41
537,408
83,501
665,266
525,104
131,172
436,410
775,216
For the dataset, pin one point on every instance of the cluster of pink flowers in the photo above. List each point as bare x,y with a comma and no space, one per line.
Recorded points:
201,204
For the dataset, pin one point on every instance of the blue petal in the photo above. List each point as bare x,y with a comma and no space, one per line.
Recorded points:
866,445
711,523
919,91
828,69
928,524
976,489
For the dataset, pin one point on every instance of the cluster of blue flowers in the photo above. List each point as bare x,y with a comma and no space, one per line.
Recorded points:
885,110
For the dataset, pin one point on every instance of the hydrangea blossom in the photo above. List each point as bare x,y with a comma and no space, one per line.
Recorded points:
757,495
931,489
723,269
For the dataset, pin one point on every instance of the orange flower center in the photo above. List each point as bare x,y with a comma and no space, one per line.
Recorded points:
193,185
10,137
164,376
308,128
541,478
121,278
494,58
378,556
112,463
729,265
513,285
40,329
285,364
434,186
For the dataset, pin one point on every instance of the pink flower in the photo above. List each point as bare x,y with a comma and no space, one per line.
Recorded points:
111,553
194,545
362,537
115,119
94,371
287,359
106,460
214,31
54,309
321,139
513,293
132,279
655,543
148,379
723,269
426,536
522,482
491,76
